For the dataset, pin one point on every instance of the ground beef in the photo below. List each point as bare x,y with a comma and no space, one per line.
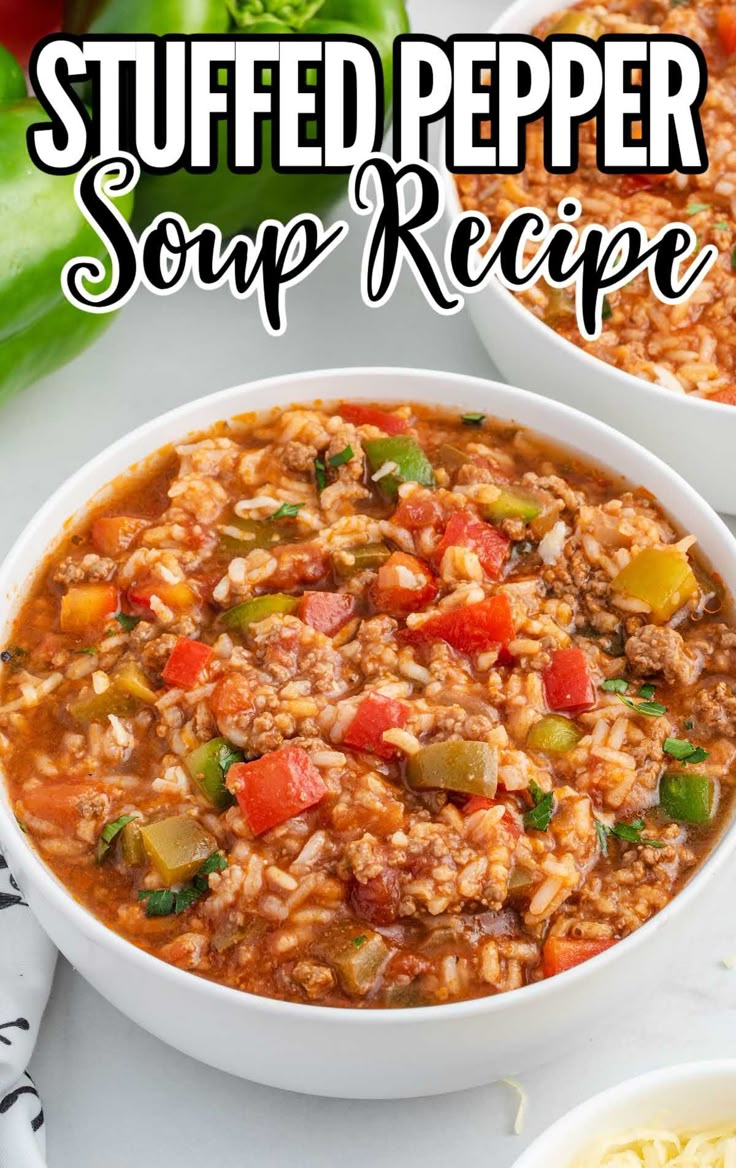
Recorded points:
715,708
659,649
156,653
89,569
299,457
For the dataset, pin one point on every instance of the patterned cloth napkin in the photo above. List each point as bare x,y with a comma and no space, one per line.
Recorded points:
27,959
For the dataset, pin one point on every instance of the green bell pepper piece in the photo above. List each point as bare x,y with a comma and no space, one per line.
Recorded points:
208,765
42,228
131,844
412,464
512,504
553,734
350,561
256,533
470,767
177,847
357,956
258,609
240,202
687,798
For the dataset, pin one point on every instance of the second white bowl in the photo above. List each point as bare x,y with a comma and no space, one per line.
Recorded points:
692,1097
694,436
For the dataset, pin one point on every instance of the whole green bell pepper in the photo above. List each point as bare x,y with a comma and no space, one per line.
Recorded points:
42,228
240,202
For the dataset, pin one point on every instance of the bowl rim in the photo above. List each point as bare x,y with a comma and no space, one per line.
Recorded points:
629,382
46,525
670,1075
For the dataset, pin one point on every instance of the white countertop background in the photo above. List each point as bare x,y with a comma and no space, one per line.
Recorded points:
114,1096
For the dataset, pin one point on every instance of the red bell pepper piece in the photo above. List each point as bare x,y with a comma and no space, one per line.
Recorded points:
275,787
419,511
113,534
374,715
727,29
490,545
361,415
633,183
567,683
327,612
470,629
561,953
404,584
187,662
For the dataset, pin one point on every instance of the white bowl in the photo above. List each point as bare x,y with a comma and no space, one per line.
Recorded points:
693,1097
694,436
351,1052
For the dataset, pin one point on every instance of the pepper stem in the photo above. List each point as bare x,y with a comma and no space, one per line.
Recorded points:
291,14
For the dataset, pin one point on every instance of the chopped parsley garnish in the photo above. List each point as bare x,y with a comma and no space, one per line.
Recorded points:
127,623
696,208
21,825
619,686
161,902
606,310
651,709
689,724
683,750
341,457
720,226
733,259
358,942
628,832
473,419
287,511
320,473
109,834
540,815
89,651
679,3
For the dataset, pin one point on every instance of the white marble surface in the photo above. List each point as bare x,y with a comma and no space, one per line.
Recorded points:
117,1098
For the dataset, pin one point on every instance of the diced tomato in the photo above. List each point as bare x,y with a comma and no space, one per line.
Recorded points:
86,606
632,183
179,597
327,612
187,662
113,534
298,564
403,584
567,683
727,28
275,787
57,802
470,629
561,953
231,696
490,545
419,511
374,715
361,415
477,803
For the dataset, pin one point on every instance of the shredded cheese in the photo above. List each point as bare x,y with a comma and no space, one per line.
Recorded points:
515,1085
668,1149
